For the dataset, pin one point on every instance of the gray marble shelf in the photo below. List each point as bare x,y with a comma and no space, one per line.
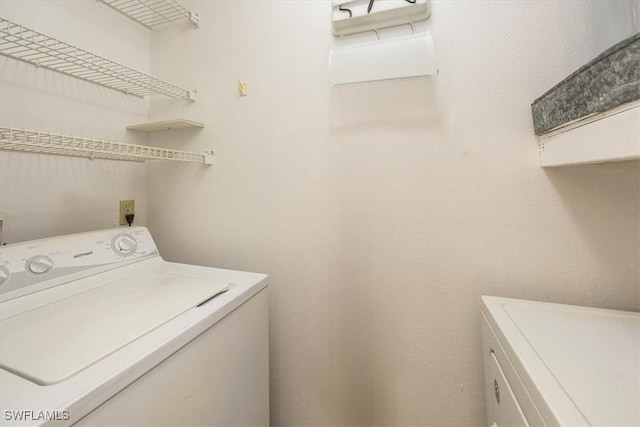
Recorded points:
606,83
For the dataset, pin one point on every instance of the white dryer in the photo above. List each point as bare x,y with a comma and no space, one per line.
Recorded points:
97,329
560,365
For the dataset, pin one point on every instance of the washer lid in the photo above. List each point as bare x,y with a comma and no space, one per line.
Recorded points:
56,341
592,354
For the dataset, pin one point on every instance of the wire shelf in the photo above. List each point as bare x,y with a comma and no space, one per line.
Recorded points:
153,13
27,45
50,143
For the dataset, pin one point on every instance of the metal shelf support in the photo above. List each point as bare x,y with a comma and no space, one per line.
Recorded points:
44,142
24,44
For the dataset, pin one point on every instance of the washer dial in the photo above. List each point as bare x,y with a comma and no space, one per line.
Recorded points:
124,244
39,264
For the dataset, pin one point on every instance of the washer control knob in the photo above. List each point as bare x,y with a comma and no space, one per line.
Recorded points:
124,244
39,264
4,276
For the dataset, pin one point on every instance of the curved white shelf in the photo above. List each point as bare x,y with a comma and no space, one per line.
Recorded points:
50,143
153,13
24,44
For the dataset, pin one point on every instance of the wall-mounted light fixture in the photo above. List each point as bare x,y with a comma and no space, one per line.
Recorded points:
397,58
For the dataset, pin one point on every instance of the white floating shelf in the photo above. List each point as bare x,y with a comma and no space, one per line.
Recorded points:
154,13
27,45
49,143
352,16
165,125
608,137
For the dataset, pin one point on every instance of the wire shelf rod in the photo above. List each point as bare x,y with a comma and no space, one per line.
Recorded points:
27,45
153,13
70,62
50,143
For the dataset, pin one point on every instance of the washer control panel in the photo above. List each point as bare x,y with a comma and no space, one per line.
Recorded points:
29,263
39,264
124,244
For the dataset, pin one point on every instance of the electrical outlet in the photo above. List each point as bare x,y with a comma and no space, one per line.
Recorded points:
126,207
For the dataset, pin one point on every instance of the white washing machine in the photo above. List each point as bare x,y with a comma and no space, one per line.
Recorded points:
560,365
96,329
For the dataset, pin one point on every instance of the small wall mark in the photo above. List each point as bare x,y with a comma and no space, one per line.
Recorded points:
242,88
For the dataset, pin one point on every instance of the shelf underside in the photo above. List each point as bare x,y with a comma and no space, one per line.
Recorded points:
49,143
165,125
607,82
27,45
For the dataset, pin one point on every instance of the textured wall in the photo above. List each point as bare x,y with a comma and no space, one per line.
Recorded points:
382,211
610,21
44,195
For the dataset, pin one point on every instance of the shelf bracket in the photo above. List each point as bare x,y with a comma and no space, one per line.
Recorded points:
208,157
195,19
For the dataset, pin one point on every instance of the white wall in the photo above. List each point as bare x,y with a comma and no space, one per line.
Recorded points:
610,21
44,195
382,211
